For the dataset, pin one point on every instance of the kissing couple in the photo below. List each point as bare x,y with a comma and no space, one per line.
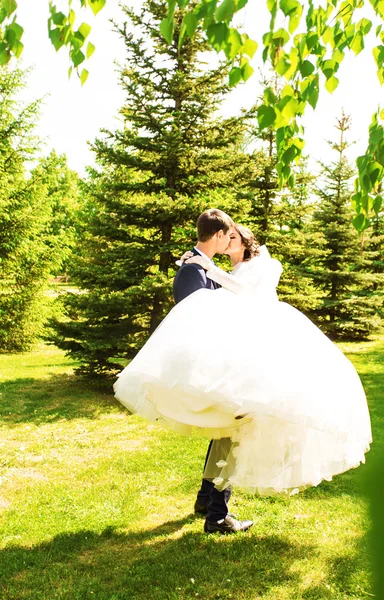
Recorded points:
283,407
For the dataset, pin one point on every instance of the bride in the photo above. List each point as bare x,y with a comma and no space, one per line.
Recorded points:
239,363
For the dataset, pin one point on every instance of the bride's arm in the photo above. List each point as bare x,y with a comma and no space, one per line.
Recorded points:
225,279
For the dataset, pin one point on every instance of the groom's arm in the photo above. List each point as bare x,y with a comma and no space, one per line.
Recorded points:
189,279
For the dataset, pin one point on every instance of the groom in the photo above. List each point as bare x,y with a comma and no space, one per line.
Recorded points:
214,229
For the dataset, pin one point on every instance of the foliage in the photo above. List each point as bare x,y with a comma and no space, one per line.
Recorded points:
29,247
349,306
305,44
62,187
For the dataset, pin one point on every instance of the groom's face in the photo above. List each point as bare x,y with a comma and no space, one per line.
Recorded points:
223,241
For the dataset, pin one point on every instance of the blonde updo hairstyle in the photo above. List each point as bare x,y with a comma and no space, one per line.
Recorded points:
249,242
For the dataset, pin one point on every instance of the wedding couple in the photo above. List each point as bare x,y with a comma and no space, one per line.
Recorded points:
283,406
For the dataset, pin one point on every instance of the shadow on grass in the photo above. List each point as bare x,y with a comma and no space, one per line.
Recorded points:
157,564
57,397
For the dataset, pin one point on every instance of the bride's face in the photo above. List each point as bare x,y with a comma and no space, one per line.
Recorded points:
236,244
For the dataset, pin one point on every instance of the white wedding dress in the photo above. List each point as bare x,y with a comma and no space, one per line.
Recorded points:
235,362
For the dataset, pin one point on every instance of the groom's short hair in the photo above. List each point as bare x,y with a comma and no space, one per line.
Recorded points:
210,222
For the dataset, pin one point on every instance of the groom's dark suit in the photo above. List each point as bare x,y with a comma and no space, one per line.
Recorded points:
189,279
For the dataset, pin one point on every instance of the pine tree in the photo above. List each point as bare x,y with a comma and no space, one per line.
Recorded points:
23,216
346,311
171,159
62,188
297,244
29,247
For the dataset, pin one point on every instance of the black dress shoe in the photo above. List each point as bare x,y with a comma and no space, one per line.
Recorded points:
229,525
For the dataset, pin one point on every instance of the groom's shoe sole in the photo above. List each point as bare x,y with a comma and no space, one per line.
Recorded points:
229,525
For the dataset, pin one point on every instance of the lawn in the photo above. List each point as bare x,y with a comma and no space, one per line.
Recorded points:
97,504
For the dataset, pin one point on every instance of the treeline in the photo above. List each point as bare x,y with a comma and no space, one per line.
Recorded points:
118,233
38,210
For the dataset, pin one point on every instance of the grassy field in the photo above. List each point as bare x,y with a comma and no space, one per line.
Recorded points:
97,504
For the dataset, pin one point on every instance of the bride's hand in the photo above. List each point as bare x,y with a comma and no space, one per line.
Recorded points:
199,260
186,255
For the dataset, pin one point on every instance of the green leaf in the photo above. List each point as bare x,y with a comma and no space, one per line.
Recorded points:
72,17
375,171
360,222
280,36
3,54
85,30
282,65
57,38
84,76
225,11
306,68
288,107
269,96
59,19
233,44
77,58
9,6
311,40
249,47
90,50
365,26
13,34
17,48
294,20
290,154
191,23
166,29
357,44
182,3
331,84
266,116
377,204
246,71
217,35
96,5
235,75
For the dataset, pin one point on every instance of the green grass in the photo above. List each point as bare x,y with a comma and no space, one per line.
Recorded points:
97,504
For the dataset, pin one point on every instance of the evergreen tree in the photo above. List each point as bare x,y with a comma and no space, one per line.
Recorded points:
28,246
346,311
297,244
62,188
23,259
171,159
372,266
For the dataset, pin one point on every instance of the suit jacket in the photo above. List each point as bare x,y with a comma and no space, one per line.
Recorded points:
191,278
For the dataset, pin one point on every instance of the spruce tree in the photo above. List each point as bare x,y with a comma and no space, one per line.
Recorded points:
29,248
297,244
172,158
23,213
346,311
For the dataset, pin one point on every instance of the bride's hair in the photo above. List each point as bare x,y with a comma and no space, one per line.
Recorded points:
248,239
